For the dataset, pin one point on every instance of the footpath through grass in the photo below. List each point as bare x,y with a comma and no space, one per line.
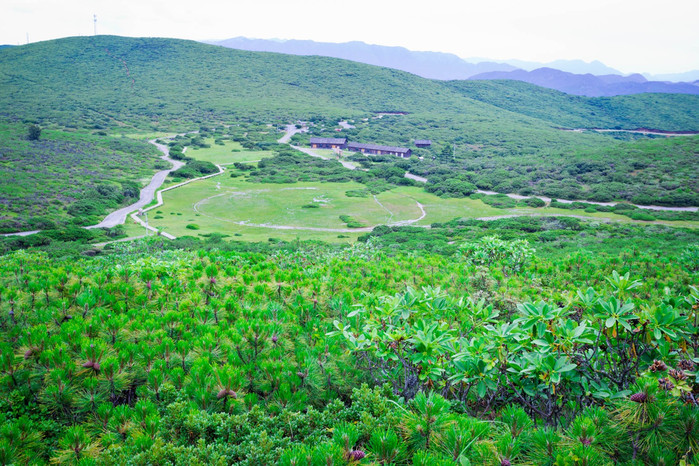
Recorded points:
312,210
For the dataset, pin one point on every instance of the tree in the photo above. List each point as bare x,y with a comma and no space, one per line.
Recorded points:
447,152
34,132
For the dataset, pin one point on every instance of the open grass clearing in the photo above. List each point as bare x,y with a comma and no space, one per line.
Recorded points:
229,205
258,211
228,153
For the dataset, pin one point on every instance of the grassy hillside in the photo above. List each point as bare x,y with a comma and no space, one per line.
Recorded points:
658,171
67,176
170,83
658,111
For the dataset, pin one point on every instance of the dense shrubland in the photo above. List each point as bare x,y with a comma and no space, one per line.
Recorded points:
67,178
649,172
194,169
497,352
290,166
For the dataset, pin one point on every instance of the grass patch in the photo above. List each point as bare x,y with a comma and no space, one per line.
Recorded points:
351,223
227,152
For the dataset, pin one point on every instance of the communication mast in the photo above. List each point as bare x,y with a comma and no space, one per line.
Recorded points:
94,18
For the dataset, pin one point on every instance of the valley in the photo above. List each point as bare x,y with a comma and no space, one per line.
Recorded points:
185,280
247,211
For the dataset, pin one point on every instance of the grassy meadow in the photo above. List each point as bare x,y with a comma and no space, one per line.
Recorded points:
311,210
226,153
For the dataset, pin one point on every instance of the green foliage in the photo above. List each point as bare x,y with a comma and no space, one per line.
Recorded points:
33,132
155,354
446,185
454,344
195,169
631,112
291,166
351,223
357,193
645,172
491,250
64,174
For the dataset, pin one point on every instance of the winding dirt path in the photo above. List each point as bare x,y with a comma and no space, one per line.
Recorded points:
410,176
310,152
634,131
415,220
289,132
548,200
118,217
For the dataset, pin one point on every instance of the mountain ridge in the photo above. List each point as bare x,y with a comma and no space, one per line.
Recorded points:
431,65
590,85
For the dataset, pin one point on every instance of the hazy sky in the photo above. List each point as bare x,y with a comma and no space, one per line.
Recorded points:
629,35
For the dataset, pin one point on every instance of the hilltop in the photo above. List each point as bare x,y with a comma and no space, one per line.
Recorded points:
173,84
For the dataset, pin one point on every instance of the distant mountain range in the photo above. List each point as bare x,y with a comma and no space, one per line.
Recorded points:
589,84
432,65
571,66
575,77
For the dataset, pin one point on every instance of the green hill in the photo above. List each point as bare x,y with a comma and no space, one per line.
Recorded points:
168,83
658,111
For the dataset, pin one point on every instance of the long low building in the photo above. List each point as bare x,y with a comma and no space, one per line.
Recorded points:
376,149
329,143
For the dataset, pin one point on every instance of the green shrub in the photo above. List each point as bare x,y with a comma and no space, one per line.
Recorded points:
357,193
351,223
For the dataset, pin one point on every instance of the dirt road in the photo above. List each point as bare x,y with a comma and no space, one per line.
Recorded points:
310,152
634,131
118,217
290,131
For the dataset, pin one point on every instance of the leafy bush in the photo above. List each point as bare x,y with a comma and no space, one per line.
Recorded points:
195,169
357,193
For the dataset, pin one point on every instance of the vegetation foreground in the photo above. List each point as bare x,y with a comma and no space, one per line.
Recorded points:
316,354
547,341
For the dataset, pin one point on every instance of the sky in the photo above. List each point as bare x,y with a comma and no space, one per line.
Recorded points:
628,35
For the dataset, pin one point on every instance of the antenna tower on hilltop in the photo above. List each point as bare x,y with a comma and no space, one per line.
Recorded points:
94,18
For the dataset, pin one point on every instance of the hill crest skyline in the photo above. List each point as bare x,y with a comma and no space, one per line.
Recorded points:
463,67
